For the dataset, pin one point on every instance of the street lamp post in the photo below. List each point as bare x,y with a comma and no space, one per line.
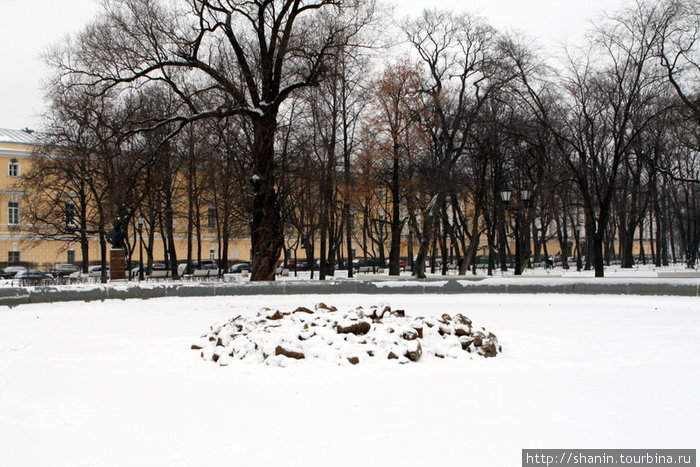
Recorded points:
525,196
140,226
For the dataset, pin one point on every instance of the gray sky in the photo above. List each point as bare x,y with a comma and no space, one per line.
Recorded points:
28,28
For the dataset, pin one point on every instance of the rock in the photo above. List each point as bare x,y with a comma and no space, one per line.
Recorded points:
414,351
219,351
359,328
461,319
419,331
392,356
196,347
462,330
466,342
276,316
303,309
410,335
305,336
354,360
446,318
289,353
398,313
488,350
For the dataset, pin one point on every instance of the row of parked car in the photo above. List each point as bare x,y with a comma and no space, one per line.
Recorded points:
72,270
58,271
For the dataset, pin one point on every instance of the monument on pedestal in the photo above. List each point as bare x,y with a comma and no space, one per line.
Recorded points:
117,255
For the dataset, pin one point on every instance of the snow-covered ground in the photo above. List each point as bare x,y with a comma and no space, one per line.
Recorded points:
115,383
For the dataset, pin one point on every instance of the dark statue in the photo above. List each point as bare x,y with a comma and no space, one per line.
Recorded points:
117,235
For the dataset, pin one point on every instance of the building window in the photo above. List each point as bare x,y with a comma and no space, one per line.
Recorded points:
13,212
13,168
71,257
211,218
212,254
13,257
70,213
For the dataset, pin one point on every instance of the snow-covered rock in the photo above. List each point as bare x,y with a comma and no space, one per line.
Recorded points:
282,338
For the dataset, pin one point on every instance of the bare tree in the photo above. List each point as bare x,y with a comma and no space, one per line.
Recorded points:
461,69
222,58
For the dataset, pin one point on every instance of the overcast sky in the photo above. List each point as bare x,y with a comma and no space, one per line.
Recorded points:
27,28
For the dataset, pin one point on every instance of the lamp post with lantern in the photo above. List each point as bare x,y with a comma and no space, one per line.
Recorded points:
525,196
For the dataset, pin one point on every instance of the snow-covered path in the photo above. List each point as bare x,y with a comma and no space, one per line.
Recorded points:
116,384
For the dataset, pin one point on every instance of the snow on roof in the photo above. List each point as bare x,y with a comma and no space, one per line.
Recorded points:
18,136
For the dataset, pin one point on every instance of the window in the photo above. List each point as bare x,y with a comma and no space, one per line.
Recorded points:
13,257
71,257
13,168
212,254
71,213
211,218
13,212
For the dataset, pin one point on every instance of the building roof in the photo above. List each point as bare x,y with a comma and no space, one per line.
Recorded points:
18,136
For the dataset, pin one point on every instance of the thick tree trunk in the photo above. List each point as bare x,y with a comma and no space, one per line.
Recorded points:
266,225
626,247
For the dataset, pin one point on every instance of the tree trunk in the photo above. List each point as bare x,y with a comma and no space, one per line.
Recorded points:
266,226
396,222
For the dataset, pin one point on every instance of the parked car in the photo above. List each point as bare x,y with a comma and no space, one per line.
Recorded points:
158,267
33,275
204,264
363,262
96,271
297,265
60,270
240,267
10,271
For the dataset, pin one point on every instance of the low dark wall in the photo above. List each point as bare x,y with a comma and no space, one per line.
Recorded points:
12,296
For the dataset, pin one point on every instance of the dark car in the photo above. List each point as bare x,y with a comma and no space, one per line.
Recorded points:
204,264
367,263
10,271
60,270
297,265
240,267
33,276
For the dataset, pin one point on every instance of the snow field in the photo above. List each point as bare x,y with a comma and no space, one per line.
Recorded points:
116,383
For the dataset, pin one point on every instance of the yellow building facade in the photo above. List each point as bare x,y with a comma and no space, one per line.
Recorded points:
17,246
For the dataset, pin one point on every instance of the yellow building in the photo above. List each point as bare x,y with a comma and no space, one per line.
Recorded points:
18,247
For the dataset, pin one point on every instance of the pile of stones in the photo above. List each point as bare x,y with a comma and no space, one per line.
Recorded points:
356,336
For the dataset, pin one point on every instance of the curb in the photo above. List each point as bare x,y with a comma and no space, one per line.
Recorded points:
13,296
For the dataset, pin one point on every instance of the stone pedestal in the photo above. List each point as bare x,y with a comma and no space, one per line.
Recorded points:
117,264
